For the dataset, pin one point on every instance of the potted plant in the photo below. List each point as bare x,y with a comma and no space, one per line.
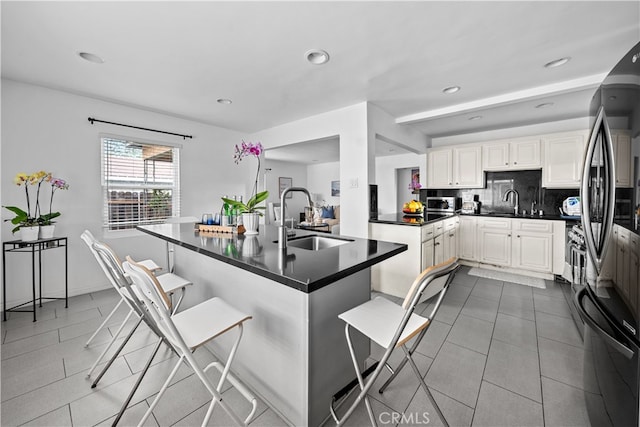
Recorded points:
23,220
47,226
250,210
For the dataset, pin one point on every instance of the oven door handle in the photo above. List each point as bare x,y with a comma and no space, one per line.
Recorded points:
620,347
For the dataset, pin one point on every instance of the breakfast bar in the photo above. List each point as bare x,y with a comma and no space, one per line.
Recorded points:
293,353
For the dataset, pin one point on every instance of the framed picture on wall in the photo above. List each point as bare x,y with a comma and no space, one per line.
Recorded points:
335,188
284,183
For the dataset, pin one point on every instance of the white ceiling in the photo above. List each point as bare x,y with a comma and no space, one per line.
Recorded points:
179,57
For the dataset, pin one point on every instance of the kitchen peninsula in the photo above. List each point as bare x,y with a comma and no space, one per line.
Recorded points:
293,352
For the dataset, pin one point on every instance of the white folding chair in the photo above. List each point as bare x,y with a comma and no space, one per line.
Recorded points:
392,326
89,239
170,283
131,297
190,329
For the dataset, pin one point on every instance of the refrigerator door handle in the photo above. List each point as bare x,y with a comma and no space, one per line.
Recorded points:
620,347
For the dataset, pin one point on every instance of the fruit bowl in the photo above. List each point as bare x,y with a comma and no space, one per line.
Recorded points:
410,212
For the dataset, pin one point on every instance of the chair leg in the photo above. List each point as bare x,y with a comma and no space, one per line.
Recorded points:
113,340
395,372
104,323
364,388
224,370
137,384
161,392
424,386
115,355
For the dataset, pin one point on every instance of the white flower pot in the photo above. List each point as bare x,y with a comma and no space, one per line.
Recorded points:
46,231
250,222
29,234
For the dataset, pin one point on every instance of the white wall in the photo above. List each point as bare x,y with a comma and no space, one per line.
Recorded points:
356,150
48,129
319,177
386,178
298,175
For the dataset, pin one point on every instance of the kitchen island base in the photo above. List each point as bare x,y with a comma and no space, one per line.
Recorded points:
293,353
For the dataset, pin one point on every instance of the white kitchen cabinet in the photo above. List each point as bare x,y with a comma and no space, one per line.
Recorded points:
532,242
467,167
494,241
623,159
457,167
623,249
427,235
563,155
449,239
440,168
518,244
438,249
512,155
427,253
425,247
467,238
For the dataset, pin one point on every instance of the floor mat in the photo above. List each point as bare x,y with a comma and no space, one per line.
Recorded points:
508,277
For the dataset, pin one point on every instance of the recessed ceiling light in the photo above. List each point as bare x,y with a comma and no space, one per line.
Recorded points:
91,57
475,118
317,56
557,62
224,101
451,89
544,105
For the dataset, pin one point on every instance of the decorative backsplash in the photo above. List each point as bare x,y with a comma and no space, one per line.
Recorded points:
528,184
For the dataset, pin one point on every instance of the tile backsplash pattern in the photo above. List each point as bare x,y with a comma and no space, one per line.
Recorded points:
528,184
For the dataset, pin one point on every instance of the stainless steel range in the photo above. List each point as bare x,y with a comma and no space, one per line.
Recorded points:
575,268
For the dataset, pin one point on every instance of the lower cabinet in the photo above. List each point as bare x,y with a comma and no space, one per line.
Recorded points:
494,241
427,253
438,249
532,251
627,266
523,244
467,238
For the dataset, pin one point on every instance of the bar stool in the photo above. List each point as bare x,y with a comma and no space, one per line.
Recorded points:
190,329
89,239
170,283
392,326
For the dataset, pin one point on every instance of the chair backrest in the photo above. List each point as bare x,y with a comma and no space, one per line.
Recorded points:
430,282
157,303
90,240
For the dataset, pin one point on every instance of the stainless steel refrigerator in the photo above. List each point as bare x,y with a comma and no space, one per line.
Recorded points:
611,332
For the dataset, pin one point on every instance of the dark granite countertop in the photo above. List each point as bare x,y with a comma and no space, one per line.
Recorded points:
302,269
629,225
401,219
510,215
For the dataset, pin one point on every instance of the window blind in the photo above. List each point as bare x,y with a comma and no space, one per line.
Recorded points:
140,182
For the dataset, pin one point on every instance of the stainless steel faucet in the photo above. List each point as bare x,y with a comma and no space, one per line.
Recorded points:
516,199
282,229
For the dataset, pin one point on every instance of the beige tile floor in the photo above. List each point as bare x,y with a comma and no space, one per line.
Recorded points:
497,354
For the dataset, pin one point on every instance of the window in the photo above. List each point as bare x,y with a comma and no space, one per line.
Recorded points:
140,182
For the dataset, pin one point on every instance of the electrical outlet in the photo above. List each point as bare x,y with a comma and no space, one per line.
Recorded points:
353,183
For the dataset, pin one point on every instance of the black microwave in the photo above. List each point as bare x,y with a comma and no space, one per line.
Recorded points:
443,204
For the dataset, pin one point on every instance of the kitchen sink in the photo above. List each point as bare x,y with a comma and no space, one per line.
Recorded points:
316,243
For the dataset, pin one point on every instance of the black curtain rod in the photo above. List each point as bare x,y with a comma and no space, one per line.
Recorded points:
92,120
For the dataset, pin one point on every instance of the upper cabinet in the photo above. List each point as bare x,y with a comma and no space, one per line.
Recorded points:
563,155
622,152
457,167
512,155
